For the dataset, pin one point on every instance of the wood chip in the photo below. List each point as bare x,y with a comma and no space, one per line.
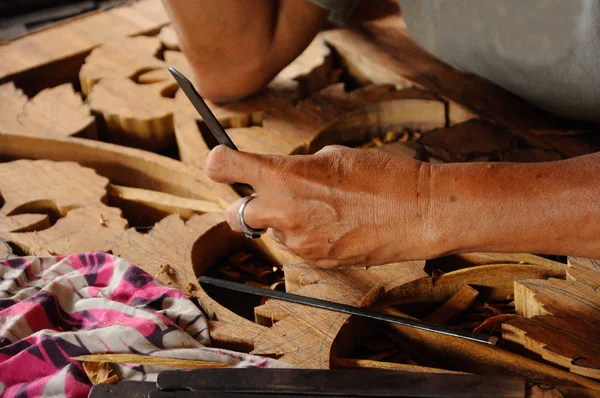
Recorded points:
99,372
494,322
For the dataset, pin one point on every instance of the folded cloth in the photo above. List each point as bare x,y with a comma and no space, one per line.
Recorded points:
56,308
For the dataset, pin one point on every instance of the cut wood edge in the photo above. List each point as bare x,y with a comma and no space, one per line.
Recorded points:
396,114
494,282
452,308
162,203
123,166
475,357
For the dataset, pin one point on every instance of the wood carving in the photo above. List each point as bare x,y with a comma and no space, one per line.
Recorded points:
53,208
53,55
303,336
331,116
57,111
145,207
561,318
465,355
123,166
128,57
133,91
382,50
468,140
494,282
169,39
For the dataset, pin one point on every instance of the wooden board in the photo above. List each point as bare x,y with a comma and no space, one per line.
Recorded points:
561,318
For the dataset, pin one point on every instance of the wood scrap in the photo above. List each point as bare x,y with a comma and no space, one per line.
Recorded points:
57,111
151,360
560,318
349,363
100,372
453,307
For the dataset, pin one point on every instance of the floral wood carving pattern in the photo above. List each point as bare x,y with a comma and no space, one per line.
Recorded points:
561,318
57,111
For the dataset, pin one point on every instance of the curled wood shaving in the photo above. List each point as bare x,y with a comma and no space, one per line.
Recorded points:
99,372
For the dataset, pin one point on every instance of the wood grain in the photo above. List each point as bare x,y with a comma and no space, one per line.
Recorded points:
464,355
303,336
561,318
57,111
123,166
53,55
386,43
453,307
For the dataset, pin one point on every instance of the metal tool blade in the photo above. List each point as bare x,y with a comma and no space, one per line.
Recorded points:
209,118
348,309
339,383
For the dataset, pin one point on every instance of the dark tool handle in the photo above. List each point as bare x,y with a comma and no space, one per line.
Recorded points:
347,309
362,383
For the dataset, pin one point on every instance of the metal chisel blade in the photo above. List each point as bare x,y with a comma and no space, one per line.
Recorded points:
348,309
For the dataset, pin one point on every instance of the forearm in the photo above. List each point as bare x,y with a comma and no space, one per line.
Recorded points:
237,46
551,208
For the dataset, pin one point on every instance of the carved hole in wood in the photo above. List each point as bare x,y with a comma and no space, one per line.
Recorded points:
43,206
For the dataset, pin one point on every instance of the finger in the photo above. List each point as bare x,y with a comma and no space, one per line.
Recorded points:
226,165
256,214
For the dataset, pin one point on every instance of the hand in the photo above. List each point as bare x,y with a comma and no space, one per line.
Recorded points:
340,206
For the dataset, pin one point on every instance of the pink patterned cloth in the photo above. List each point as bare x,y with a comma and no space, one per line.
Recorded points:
55,308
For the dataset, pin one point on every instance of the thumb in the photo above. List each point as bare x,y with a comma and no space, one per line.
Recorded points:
226,165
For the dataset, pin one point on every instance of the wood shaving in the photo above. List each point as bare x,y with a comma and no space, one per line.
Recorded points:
100,372
190,287
103,221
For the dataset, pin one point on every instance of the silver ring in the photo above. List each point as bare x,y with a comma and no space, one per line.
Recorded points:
249,232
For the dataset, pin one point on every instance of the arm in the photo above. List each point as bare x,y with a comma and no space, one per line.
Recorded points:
547,208
235,47
345,206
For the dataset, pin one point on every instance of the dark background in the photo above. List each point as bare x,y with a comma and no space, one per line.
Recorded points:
18,17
